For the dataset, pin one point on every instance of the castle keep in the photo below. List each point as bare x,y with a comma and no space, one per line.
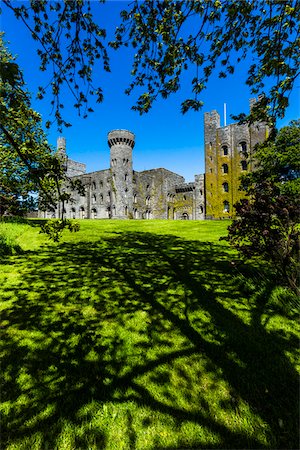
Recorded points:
120,192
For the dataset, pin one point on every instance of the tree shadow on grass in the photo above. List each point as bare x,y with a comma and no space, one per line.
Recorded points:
147,334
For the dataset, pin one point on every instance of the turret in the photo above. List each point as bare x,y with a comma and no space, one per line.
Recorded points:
121,143
61,146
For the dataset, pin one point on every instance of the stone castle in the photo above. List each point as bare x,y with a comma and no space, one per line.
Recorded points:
121,192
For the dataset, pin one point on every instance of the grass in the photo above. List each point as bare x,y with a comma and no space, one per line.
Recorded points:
143,335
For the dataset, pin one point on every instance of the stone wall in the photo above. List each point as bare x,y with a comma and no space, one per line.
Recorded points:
228,155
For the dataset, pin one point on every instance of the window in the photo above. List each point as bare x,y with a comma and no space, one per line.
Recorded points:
225,168
81,213
126,210
94,214
73,213
94,198
224,150
134,198
101,184
201,209
94,185
126,177
225,187
243,148
244,165
101,198
226,207
148,200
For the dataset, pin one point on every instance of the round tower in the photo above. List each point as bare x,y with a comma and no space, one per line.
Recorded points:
61,145
121,143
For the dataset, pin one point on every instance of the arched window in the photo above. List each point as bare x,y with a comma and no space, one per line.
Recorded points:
225,168
201,209
134,198
108,197
81,213
94,213
101,198
101,184
94,198
126,210
244,164
225,187
226,206
148,200
224,150
126,177
243,148
94,185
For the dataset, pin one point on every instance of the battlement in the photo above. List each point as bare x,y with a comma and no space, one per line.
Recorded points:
121,137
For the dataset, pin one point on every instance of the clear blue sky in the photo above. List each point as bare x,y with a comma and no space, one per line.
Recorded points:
164,137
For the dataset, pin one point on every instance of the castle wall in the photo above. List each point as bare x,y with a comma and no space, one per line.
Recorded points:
228,155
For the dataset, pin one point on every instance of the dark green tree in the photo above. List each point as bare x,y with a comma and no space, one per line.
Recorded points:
27,162
267,224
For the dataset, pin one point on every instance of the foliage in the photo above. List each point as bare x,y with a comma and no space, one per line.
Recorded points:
54,228
27,163
268,220
70,44
144,335
169,38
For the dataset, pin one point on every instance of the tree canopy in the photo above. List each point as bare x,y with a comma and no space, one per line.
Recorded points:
267,223
27,161
169,38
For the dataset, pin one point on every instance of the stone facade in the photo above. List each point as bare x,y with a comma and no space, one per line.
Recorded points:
121,192
228,154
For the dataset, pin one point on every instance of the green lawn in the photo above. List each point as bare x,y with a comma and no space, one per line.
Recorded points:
143,335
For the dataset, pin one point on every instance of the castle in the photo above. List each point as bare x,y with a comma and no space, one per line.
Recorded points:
121,192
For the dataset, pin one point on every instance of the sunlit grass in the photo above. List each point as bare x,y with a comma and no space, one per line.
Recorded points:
143,335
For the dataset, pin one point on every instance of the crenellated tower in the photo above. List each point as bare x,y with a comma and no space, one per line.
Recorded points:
121,143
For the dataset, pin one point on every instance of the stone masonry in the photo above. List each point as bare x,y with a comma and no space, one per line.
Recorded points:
121,192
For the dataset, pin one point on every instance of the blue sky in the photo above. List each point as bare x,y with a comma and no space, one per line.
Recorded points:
164,137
